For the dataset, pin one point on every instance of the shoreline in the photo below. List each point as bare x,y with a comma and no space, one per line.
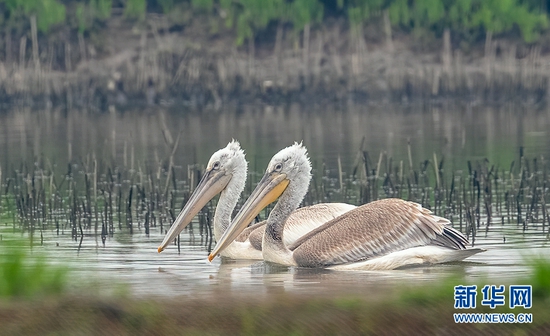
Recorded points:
155,67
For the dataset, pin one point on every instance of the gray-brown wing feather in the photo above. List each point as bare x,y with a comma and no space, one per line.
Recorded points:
243,236
299,223
374,229
304,220
256,237
451,238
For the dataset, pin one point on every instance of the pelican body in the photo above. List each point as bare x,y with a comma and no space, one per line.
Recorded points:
384,234
226,175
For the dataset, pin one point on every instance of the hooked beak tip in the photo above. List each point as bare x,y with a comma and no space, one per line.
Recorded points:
160,249
210,257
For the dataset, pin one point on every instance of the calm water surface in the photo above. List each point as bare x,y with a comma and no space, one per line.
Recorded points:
458,133
139,138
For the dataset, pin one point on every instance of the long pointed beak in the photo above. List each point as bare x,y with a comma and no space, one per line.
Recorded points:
211,184
267,191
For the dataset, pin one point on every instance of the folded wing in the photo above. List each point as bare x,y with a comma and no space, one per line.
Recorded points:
372,230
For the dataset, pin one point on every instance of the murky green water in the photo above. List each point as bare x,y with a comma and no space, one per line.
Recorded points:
458,133
141,139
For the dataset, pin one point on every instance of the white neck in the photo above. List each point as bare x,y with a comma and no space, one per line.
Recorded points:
228,200
273,247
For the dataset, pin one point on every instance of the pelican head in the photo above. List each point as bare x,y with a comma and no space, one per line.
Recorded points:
225,173
290,169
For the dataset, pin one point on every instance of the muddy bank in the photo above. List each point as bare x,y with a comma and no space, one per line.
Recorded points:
151,65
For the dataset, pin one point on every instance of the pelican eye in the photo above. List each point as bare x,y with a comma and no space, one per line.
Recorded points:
278,167
216,165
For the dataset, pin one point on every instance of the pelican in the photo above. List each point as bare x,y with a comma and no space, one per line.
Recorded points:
384,234
226,174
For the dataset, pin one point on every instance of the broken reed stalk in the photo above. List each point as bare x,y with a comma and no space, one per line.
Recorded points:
436,171
340,177
171,164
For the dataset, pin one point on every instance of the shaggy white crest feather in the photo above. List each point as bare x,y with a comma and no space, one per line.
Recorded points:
227,155
292,157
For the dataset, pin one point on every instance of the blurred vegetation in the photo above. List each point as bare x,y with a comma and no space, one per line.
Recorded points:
26,274
88,12
18,12
409,309
540,279
468,20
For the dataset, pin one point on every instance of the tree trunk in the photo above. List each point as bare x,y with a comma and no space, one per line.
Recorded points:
68,66
387,31
8,46
251,56
358,50
142,45
305,55
488,56
447,50
488,40
34,36
82,45
318,56
51,53
278,46
22,52
335,52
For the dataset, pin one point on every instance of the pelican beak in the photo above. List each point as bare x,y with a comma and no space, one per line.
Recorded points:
267,191
212,183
